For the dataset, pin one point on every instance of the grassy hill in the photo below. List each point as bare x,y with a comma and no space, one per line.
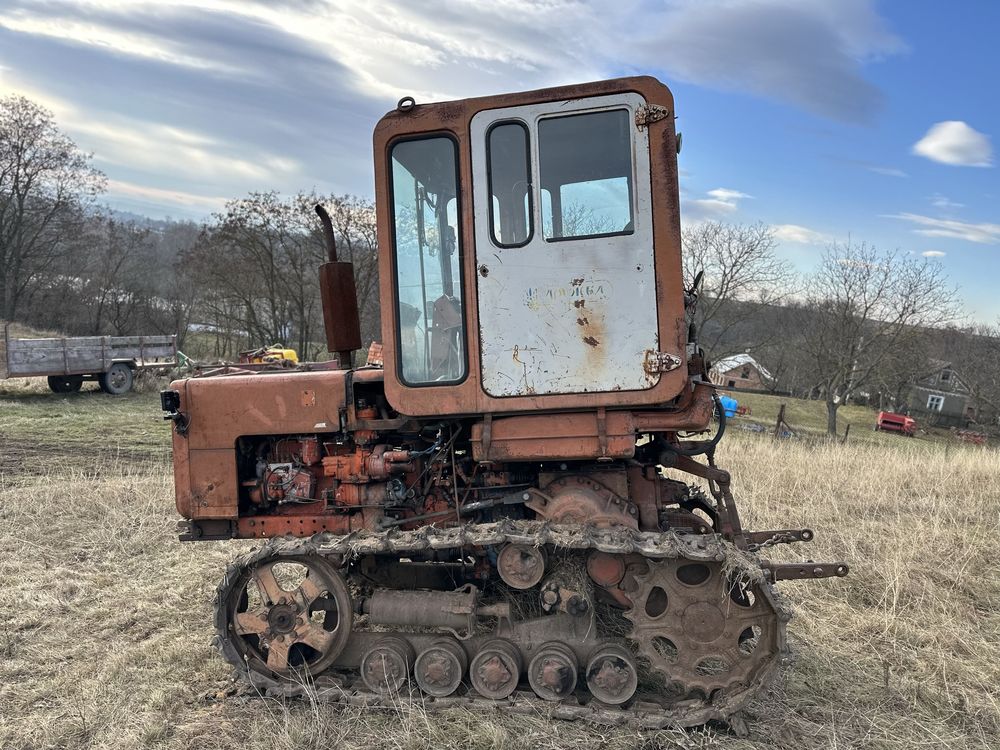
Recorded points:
808,420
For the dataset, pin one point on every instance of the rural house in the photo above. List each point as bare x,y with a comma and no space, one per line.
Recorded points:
740,371
941,398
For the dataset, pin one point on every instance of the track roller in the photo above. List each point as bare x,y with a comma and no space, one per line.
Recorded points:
521,567
612,676
553,671
385,666
496,669
439,668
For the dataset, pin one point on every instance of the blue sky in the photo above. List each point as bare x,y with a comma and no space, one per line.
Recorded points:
826,119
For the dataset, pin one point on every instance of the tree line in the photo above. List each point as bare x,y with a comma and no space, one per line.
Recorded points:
245,278
865,323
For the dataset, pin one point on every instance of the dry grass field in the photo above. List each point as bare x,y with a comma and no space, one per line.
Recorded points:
105,617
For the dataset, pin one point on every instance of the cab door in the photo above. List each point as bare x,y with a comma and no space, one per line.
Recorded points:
564,247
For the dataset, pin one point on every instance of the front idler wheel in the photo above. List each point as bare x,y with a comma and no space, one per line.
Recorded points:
288,617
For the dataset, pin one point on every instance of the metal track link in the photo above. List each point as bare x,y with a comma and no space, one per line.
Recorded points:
644,712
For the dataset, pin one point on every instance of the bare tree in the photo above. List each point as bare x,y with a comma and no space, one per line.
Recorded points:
258,262
739,266
256,269
45,180
863,310
175,290
117,287
974,351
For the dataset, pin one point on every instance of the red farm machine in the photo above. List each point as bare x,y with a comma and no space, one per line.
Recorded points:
888,421
500,513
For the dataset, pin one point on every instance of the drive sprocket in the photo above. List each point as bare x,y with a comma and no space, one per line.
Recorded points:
713,638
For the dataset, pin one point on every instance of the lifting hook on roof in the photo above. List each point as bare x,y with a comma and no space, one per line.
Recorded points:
406,104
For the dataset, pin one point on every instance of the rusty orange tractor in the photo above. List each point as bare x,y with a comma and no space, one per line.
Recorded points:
498,513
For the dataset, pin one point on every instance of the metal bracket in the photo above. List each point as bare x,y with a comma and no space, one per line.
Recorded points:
602,432
656,362
799,571
170,402
650,113
487,436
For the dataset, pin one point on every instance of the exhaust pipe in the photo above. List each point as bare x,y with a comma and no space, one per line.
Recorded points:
340,298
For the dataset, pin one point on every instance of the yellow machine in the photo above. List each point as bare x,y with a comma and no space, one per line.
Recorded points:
269,355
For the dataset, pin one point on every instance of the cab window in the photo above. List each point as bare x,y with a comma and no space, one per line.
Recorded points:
428,253
509,184
585,175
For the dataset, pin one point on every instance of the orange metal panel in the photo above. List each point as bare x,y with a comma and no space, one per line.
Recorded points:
554,436
230,406
303,524
216,493
182,473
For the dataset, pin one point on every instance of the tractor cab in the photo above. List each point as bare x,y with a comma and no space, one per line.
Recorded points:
531,256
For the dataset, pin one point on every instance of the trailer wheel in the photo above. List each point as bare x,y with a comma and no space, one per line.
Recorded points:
118,380
65,383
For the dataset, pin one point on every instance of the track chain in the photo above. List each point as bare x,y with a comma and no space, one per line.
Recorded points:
645,712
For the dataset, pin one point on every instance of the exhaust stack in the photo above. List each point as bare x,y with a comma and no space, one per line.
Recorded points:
340,298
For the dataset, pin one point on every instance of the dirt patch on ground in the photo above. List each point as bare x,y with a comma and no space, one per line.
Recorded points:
25,459
17,456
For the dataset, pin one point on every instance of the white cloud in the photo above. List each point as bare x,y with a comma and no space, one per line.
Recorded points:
810,53
721,202
933,254
985,234
170,151
705,207
113,40
881,169
807,52
943,201
159,196
953,142
799,234
281,93
887,171
727,195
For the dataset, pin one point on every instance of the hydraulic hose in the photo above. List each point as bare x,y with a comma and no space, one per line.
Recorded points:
703,446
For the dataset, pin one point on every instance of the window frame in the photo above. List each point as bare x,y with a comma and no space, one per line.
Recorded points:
460,250
940,402
531,182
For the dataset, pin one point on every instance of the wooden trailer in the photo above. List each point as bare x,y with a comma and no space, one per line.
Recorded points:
112,361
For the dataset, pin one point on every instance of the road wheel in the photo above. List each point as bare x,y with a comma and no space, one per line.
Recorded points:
65,383
118,380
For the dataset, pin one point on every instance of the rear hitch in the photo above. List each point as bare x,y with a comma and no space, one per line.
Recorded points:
799,571
758,539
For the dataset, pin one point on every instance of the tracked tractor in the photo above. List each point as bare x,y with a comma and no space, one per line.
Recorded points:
514,502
